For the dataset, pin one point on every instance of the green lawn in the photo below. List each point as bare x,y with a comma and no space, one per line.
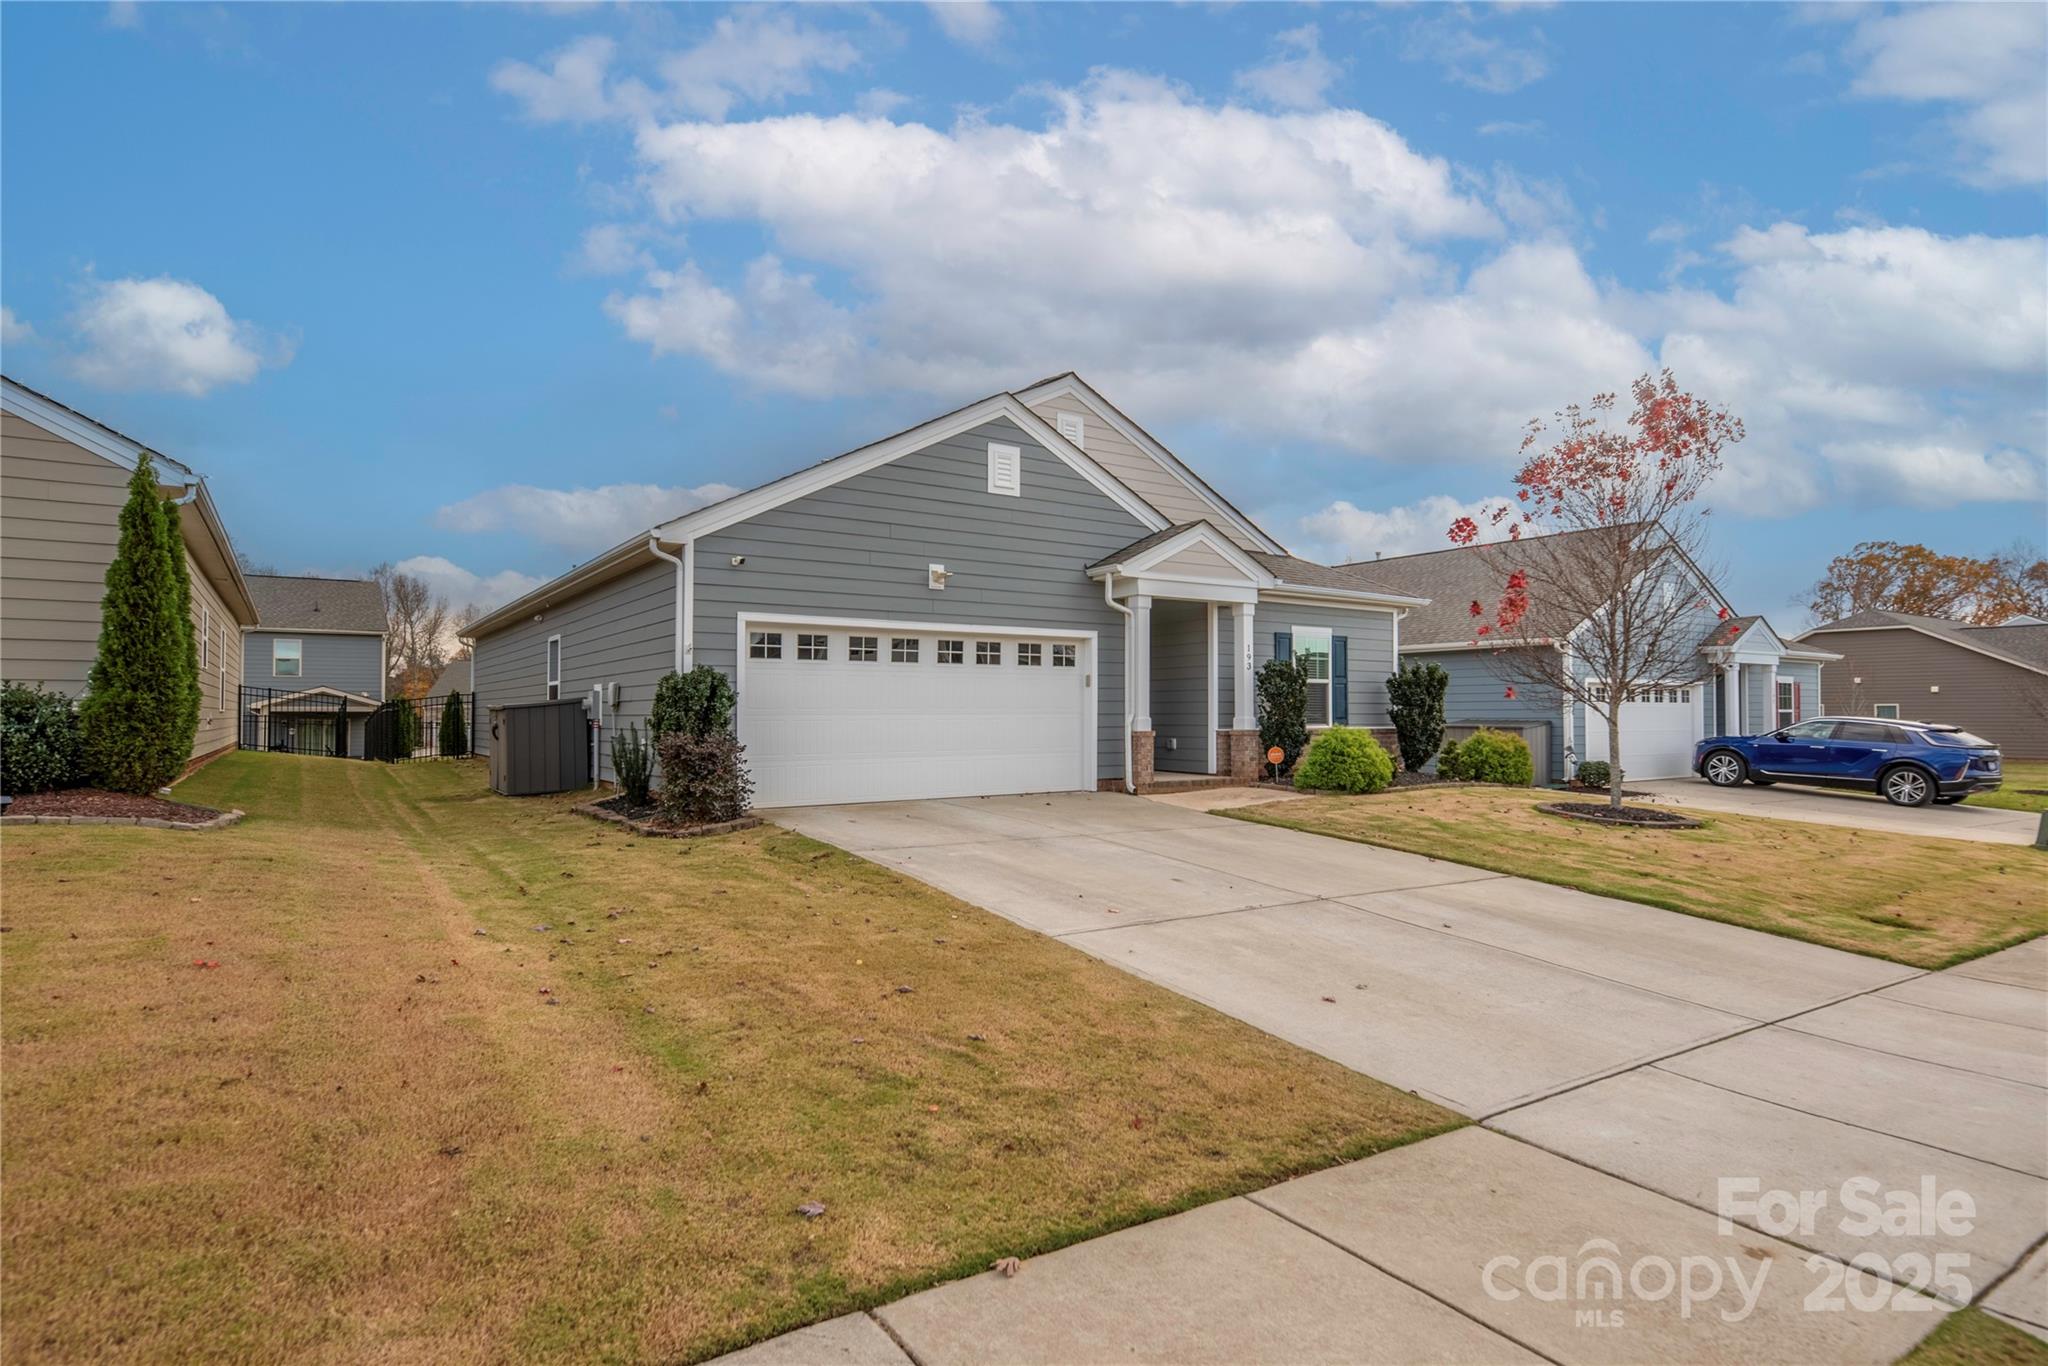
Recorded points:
2020,774
1974,1338
372,1131
1926,902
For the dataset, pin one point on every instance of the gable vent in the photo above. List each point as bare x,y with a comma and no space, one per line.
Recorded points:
1074,428
1005,469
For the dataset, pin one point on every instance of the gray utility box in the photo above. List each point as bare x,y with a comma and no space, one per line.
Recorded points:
539,747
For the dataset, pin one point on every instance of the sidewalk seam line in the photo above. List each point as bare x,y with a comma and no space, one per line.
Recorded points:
875,1316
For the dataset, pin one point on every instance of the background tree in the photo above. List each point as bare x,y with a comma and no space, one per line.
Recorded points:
1624,602
415,629
452,737
181,570
136,721
1892,576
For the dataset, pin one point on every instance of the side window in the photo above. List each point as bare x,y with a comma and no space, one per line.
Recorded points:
1811,730
285,658
554,668
863,649
764,645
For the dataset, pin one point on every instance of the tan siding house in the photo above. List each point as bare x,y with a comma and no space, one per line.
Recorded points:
63,478
1990,680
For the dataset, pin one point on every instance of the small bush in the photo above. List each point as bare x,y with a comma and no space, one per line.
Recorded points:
1345,759
703,778
633,764
1415,703
39,744
697,703
1494,756
1283,708
1448,763
1595,773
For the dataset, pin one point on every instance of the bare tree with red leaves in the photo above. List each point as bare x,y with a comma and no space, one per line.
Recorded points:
1597,616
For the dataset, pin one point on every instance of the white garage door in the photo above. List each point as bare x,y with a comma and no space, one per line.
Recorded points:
1659,727
838,713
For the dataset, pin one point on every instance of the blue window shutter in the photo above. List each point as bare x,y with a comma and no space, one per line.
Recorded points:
1283,645
1340,682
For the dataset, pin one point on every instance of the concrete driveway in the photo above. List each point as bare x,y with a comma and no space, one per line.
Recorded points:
1858,810
1624,1062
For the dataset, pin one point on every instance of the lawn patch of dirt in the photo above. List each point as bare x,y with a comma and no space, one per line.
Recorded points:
399,1069
1922,901
91,801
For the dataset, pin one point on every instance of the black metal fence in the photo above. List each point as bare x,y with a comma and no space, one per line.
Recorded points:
330,723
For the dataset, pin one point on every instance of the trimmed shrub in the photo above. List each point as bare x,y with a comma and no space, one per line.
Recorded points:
633,764
1415,702
452,738
39,745
697,703
1494,756
1345,759
1448,763
137,721
703,778
1283,709
1596,773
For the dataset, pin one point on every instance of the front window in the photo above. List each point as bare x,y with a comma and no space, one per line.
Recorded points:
285,658
1312,652
1810,730
1788,704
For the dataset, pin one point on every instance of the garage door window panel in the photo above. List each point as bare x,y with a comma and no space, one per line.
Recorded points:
863,649
813,647
764,645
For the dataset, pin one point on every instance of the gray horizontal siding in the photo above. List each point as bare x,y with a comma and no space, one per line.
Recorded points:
1180,687
352,663
1478,695
1989,697
861,547
1369,649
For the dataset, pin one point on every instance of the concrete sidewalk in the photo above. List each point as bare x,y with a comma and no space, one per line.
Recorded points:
1624,1062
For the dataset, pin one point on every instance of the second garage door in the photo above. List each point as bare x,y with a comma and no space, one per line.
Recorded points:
1659,727
835,713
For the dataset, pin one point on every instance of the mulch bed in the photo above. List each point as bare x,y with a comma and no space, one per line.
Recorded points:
92,803
1633,817
646,820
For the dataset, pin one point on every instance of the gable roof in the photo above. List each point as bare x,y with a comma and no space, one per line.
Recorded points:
1068,382
2026,646
289,603
1298,573
322,694
1455,578
458,675
1270,573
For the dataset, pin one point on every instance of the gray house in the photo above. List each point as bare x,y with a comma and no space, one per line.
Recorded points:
1747,679
1026,594
315,653
1991,680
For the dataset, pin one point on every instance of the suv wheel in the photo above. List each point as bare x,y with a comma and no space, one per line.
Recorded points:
1907,787
1724,768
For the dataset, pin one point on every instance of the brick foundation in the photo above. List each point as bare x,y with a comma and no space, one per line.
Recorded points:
1239,750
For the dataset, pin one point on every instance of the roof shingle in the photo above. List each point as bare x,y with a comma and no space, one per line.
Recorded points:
285,602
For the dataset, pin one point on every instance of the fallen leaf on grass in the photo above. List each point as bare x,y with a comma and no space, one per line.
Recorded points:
810,1209
1009,1266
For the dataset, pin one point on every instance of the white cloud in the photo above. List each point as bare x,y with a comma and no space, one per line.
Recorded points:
14,331
756,55
166,334
1297,76
1450,37
1501,128
1935,475
123,14
977,23
612,249
581,519
1342,532
571,90
464,587
1989,62
879,103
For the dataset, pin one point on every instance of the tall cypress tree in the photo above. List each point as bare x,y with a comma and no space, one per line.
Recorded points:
179,744
138,699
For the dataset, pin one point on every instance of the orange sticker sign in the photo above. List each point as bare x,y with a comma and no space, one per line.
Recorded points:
1275,755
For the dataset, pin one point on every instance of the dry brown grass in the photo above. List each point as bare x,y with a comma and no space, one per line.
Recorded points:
367,1134
1927,902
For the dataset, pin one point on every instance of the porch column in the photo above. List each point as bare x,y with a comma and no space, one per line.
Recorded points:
1771,700
1141,662
1731,700
1244,701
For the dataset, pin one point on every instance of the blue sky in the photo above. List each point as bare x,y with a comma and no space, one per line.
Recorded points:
484,288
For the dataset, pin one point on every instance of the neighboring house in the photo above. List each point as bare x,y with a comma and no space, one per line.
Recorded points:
315,651
458,675
1990,680
946,612
1748,679
63,479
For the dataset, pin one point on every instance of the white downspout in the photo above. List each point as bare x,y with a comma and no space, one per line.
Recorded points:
1108,580
685,565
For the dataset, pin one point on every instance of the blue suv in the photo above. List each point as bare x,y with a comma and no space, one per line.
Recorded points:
1911,762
